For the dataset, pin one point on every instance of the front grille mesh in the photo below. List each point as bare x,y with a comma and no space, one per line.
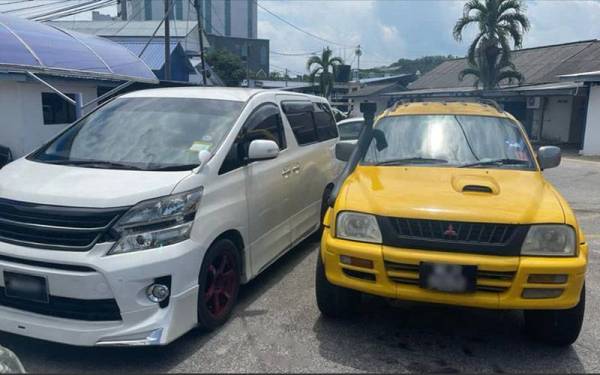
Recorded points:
487,280
54,227
454,231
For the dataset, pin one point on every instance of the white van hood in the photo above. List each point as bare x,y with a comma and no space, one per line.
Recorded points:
28,181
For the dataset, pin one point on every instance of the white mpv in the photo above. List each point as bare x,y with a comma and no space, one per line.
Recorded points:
141,220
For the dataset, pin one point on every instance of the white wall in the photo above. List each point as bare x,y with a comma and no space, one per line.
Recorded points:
22,126
591,142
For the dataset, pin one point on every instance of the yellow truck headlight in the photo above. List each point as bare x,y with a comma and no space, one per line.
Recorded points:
357,227
550,240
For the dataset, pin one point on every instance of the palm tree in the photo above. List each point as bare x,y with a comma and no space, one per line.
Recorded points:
323,67
499,21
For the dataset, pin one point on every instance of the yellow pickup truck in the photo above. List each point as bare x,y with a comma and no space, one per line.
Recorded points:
448,204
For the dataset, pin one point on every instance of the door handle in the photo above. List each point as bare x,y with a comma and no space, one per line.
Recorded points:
296,168
286,172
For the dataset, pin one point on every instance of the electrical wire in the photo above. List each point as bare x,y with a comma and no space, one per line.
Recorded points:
76,11
293,53
34,6
299,28
14,2
67,11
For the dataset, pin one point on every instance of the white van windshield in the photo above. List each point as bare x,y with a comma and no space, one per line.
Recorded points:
144,133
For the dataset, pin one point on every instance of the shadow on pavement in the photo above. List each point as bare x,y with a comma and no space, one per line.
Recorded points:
42,356
426,338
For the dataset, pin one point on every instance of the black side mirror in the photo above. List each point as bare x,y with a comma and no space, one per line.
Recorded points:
549,157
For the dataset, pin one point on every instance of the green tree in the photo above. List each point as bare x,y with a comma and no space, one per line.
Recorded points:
228,66
499,23
322,66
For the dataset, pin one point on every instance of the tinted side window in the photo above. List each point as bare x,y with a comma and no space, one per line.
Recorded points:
300,116
325,122
263,123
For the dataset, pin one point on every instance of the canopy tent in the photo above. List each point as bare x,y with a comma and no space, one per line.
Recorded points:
31,47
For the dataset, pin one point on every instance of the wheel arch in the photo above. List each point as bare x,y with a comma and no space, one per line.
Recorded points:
236,237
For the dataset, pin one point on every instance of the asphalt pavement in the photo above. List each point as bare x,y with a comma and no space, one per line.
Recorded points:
277,326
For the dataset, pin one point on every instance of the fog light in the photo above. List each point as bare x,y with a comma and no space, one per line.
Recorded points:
538,293
157,292
547,279
356,262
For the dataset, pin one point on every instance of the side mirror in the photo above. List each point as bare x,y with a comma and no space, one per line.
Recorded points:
343,150
549,157
262,149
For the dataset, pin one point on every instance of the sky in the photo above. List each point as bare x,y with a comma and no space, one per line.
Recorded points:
391,29
388,30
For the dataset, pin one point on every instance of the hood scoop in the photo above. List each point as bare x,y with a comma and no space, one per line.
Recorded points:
475,184
477,189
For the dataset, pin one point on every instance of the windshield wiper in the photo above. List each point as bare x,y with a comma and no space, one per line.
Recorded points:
181,167
95,164
412,160
496,162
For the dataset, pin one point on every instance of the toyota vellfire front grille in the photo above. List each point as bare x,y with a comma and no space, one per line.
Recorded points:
55,227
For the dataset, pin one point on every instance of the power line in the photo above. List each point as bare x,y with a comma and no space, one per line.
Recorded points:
294,53
66,13
54,12
27,8
14,2
299,28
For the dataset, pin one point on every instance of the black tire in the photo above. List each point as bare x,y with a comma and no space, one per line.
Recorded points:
556,327
334,301
214,308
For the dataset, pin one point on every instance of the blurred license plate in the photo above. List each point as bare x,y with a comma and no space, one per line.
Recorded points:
450,278
27,287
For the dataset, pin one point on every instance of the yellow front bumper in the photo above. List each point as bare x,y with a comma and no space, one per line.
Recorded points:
396,275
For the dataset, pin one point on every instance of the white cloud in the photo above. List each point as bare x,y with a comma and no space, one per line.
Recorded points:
388,30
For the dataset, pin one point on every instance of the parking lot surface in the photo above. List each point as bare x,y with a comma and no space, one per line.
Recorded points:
277,326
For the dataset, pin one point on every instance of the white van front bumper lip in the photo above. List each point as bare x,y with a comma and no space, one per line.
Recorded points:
135,326
121,278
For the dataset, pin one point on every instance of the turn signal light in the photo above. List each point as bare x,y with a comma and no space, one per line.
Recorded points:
547,279
538,293
356,262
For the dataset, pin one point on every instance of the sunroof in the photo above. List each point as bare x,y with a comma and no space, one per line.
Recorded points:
34,46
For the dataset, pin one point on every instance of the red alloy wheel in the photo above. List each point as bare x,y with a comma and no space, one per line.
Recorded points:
221,284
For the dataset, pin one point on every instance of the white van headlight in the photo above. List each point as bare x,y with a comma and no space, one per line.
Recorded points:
357,227
157,222
550,240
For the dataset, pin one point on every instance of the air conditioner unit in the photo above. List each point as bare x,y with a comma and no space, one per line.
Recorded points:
534,102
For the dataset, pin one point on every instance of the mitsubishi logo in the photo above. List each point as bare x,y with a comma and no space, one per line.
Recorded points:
450,232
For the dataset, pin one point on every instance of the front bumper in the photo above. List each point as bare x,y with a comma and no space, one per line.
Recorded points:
500,283
119,279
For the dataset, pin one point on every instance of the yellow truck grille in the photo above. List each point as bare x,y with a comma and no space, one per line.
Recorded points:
488,280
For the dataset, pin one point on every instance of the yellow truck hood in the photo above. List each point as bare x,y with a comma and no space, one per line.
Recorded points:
513,196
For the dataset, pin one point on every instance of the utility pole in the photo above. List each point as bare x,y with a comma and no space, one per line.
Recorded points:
200,38
286,76
167,40
123,10
358,53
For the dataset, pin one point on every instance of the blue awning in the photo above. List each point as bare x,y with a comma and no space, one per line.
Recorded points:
38,48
